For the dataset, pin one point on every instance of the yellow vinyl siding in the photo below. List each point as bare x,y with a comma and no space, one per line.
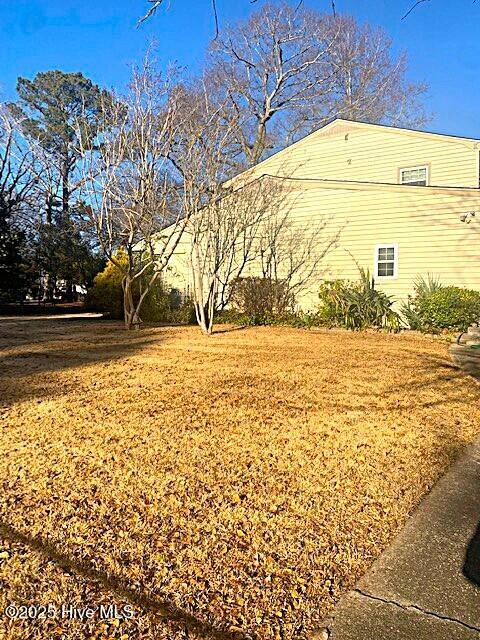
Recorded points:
359,152
349,173
425,225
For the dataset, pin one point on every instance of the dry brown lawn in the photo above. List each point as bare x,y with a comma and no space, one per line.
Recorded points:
230,486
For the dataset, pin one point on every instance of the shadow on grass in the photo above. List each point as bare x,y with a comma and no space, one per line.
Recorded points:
429,374
163,608
32,330
445,372
51,346
241,327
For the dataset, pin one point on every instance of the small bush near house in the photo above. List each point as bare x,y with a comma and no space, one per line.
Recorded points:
298,319
167,305
423,288
160,305
357,305
263,301
261,298
434,307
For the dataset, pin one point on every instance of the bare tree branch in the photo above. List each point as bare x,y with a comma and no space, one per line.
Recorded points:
412,8
215,15
155,4
418,2
129,189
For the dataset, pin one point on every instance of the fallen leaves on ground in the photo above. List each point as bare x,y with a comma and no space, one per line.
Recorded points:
238,483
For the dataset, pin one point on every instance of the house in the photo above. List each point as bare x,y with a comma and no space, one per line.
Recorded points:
405,203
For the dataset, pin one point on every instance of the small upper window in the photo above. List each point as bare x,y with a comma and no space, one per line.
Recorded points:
386,260
416,176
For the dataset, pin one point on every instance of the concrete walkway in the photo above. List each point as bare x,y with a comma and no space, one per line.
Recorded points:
426,586
53,316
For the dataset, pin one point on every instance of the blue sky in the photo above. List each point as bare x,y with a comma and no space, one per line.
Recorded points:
98,37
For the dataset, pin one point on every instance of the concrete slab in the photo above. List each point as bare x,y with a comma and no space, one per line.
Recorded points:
362,618
432,570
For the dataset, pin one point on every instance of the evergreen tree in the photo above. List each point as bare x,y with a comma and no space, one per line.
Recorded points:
60,112
14,269
66,255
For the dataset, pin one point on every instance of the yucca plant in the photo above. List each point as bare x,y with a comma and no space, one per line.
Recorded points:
423,289
358,305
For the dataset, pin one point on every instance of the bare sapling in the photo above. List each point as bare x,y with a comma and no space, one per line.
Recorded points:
129,190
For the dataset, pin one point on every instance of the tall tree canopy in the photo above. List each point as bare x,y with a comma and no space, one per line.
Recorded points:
58,114
54,110
17,182
288,70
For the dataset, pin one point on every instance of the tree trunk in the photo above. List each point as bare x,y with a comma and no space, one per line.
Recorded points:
130,314
69,290
49,208
66,215
205,316
203,308
201,317
131,310
65,189
48,288
211,300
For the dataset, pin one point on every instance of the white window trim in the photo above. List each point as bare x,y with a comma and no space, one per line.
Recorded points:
386,245
421,166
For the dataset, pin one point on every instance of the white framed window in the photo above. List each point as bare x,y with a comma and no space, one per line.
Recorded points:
416,176
386,261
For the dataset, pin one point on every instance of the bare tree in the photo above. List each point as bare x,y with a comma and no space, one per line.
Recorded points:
225,242
37,172
200,158
252,230
287,70
369,84
234,225
269,67
130,192
18,172
17,183
292,254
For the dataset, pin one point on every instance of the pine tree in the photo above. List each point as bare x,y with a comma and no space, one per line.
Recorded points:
59,110
15,274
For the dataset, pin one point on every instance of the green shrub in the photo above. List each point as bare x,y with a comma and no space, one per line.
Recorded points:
106,294
422,290
184,313
434,307
357,305
159,305
300,319
156,305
